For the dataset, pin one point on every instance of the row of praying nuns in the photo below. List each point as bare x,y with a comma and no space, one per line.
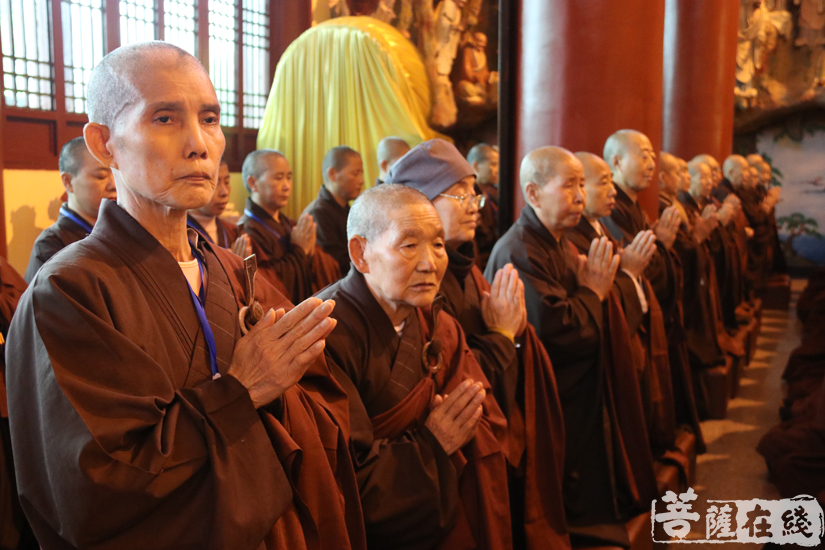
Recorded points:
384,372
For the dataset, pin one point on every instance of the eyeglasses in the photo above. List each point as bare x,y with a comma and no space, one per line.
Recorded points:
470,199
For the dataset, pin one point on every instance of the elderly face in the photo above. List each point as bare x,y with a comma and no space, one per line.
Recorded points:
716,172
754,177
487,169
274,185
600,192
220,198
348,181
670,178
684,173
701,182
765,173
167,148
459,220
638,163
407,261
92,183
559,203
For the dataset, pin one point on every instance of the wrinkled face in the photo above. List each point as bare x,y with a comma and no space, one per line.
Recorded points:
754,177
274,185
168,146
488,169
459,221
739,173
600,192
559,203
348,181
408,260
220,198
701,182
638,163
93,183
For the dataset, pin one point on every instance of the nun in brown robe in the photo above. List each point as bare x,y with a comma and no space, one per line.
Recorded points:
140,418
564,296
14,529
299,267
207,219
425,481
494,321
640,308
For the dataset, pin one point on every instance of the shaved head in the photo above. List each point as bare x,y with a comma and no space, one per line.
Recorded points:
255,164
540,165
593,164
695,166
372,212
620,142
755,159
111,90
736,168
668,162
390,149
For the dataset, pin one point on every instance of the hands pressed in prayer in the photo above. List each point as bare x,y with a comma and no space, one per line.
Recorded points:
274,355
706,224
668,226
597,270
636,255
729,209
454,417
242,246
303,234
503,307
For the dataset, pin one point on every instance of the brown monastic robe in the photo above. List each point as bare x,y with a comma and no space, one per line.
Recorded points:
52,240
647,340
14,529
331,219
568,319
123,440
525,388
487,232
282,264
667,280
413,495
227,232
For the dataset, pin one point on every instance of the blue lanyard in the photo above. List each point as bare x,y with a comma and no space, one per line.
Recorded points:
203,233
199,300
260,221
76,219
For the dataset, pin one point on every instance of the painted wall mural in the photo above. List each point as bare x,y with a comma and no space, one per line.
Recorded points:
799,167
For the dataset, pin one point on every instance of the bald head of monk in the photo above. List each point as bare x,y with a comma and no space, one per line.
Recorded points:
343,172
390,149
552,180
630,156
670,175
154,119
396,241
713,164
701,179
600,193
737,171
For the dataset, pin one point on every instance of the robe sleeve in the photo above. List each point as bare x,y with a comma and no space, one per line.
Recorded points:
628,295
569,325
408,485
328,237
130,447
660,274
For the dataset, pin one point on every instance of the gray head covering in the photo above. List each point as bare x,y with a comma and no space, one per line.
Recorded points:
432,167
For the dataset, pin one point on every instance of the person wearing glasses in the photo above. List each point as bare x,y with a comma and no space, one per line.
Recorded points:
494,320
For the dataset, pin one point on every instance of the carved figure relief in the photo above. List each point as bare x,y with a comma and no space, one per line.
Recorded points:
760,28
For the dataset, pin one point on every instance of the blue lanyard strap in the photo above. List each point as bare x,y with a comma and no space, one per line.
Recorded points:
76,219
199,301
203,233
249,214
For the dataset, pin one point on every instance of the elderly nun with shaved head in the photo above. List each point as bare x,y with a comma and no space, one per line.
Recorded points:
140,417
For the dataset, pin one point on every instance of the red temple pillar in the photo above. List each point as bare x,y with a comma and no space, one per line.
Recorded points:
587,68
699,77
